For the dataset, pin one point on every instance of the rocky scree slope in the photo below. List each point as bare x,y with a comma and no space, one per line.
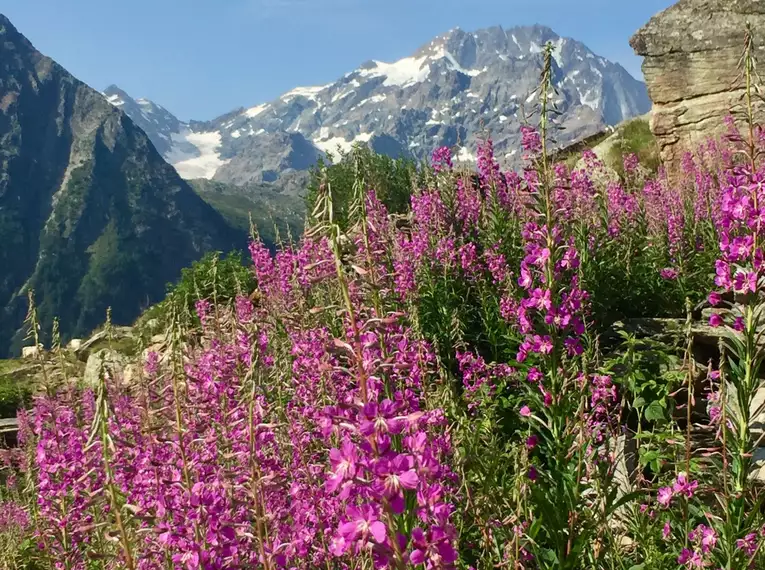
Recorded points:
91,216
454,90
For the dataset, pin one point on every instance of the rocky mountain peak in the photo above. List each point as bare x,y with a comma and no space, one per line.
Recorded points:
9,32
153,119
451,89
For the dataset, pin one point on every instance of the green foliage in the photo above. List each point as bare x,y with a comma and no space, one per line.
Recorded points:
277,214
15,387
572,154
635,137
114,272
392,179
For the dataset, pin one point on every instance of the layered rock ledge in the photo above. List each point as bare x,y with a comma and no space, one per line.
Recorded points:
692,51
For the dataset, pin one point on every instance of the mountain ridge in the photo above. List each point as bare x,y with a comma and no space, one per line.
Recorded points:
448,91
91,216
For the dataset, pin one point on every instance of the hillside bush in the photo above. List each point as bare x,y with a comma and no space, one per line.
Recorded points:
635,138
393,179
215,276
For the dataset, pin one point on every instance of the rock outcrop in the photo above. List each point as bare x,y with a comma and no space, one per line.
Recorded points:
692,52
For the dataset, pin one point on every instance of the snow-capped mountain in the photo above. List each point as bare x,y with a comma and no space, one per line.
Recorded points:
456,89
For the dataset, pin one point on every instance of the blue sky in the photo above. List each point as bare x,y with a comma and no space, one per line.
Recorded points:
202,58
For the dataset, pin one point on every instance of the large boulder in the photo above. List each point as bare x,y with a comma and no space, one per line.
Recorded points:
692,52
30,352
104,361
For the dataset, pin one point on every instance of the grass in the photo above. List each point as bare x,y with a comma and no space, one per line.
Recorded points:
16,385
573,153
635,137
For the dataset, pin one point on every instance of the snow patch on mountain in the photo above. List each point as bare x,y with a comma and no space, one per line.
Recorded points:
402,73
115,100
331,145
207,160
451,90
255,111
455,66
558,51
464,155
307,92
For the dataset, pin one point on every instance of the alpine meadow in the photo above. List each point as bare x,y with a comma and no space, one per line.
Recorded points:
486,307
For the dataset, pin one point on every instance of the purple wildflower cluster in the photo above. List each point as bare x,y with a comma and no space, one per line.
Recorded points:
426,392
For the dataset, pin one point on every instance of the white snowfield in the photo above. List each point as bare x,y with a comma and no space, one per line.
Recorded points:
331,144
208,161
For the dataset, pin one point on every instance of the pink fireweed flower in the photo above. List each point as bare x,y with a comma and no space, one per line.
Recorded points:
745,281
748,544
442,159
396,476
203,310
343,462
669,273
631,163
13,517
244,310
715,320
722,275
708,539
690,559
534,375
531,141
381,418
525,280
531,442
665,532
525,411
682,486
468,258
152,363
433,548
665,496
364,524
496,264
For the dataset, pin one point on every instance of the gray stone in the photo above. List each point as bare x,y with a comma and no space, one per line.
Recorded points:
692,52
104,361
31,352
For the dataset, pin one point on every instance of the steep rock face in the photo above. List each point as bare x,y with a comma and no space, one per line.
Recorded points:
91,216
455,90
692,52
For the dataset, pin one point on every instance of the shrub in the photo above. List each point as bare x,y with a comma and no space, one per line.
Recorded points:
213,276
392,179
